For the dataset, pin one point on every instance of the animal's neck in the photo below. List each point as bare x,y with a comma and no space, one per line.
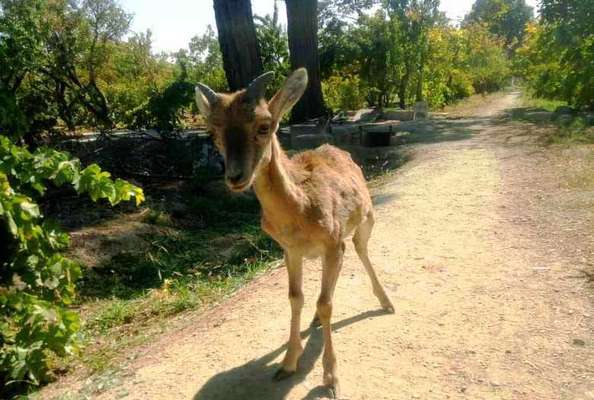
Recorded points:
275,186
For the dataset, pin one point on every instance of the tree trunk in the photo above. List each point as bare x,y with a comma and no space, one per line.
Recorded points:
419,94
403,86
302,29
237,39
64,108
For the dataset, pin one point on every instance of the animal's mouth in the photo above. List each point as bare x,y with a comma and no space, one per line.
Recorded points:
239,187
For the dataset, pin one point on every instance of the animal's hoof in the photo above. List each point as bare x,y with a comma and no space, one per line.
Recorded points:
331,383
389,309
282,374
387,306
333,392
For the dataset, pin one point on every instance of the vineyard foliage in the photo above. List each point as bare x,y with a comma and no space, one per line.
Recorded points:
37,282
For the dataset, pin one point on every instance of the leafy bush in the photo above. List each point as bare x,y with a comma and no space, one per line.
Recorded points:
37,283
12,118
557,58
487,62
446,72
343,92
163,109
274,48
134,75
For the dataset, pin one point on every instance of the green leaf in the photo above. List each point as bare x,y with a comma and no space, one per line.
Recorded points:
31,210
34,320
11,224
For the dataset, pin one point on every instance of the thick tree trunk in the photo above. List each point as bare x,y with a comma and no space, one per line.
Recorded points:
237,39
64,108
302,29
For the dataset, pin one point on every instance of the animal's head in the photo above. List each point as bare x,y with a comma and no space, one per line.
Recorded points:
243,123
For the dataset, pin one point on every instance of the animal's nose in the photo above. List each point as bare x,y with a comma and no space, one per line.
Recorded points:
234,176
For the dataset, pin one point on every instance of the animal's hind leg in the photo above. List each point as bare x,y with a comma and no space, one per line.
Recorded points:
360,240
315,323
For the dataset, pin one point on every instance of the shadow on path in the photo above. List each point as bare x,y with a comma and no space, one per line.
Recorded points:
253,380
442,130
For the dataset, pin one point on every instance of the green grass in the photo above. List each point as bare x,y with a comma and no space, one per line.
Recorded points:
574,133
530,101
563,130
197,258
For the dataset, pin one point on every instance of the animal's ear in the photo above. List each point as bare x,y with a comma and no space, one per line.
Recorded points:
289,94
205,98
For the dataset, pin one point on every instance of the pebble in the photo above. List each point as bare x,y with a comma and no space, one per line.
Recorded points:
579,342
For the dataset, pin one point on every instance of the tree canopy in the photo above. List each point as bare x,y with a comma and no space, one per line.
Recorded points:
504,18
557,58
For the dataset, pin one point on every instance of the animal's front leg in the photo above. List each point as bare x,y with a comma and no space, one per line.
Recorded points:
332,265
294,264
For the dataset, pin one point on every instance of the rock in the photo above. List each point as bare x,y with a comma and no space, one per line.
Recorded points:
579,342
564,110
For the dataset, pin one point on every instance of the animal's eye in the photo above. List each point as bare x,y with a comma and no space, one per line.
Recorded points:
263,129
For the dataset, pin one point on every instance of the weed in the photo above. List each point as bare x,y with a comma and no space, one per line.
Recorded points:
575,132
565,130
527,100
199,256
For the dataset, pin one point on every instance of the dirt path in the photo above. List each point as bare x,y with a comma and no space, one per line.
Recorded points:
484,267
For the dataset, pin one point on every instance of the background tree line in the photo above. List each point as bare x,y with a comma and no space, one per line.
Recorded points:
556,60
72,64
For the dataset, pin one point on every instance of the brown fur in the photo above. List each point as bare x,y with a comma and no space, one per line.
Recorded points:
329,199
310,203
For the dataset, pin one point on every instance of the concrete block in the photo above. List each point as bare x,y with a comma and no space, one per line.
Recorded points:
538,116
399,115
421,110
311,141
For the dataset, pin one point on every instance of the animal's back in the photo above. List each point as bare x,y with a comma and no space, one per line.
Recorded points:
328,159
335,186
